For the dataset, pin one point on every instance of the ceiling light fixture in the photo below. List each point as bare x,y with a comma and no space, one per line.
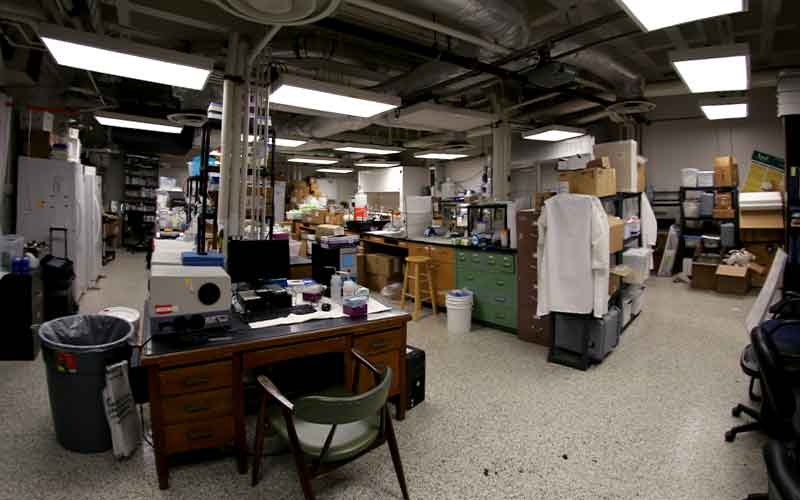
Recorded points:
376,164
369,150
136,122
296,94
713,69
553,133
335,170
653,15
115,56
440,156
725,108
313,161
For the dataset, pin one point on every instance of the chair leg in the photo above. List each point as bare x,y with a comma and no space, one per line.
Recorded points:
395,451
750,412
751,392
299,460
431,290
417,295
258,448
739,429
405,287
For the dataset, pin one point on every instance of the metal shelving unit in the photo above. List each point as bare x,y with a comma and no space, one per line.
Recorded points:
139,208
709,224
580,360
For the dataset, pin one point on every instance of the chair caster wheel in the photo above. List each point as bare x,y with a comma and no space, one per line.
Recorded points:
736,412
730,436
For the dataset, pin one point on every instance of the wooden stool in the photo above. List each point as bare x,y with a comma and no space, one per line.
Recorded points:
418,268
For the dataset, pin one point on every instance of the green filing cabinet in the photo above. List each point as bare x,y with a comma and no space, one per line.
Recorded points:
492,278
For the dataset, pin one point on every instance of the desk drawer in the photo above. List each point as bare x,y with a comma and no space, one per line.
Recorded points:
366,380
198,378
198,406
442,254
300,350
504,263
379,342
213,433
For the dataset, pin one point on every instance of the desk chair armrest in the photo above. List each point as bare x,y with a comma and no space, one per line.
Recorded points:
274,393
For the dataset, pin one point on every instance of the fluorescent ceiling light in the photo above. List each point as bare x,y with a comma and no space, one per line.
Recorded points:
553,133
313,161
714,69
653,15
297,93
137,122
440,156
281,143
376,164
335,170
371,150
725,108
114,56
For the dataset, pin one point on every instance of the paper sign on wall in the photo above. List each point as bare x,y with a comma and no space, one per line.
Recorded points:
766,173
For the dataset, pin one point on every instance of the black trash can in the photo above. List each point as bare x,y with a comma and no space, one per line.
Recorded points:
76,351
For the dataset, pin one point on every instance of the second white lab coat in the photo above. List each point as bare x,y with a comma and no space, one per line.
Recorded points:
573,256
649,226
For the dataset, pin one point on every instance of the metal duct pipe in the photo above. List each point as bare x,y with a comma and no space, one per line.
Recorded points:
268,36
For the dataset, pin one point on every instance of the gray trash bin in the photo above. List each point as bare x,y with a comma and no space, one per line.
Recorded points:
76,351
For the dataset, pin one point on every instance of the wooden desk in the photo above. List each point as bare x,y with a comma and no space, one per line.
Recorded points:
197,393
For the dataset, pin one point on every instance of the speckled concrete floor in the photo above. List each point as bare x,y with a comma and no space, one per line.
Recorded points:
499,422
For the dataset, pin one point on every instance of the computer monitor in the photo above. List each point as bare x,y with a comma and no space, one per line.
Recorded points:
251,261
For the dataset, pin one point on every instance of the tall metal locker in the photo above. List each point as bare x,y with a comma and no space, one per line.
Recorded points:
50,193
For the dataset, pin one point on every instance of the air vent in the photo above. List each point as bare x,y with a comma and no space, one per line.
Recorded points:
436,116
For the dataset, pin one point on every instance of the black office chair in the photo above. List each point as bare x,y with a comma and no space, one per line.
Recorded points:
779,407
788,308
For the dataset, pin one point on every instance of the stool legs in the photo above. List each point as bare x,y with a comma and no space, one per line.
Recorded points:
431,291
417,296
405,287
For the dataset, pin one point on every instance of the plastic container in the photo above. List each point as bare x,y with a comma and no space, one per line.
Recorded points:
638,259
76,351
691,209
459,311
349,288
711,242
706,204
689,177
691,241
355,307
11,245
360,213
130,315
705,178
728,234
336,288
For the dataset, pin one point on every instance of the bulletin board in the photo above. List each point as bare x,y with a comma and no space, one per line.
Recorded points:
765,170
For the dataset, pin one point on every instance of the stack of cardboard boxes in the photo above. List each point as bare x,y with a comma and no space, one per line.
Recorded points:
380,270
617,168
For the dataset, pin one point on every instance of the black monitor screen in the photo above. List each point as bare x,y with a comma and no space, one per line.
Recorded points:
250,261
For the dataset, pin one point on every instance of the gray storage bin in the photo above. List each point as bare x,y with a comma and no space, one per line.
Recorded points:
728,234
603,333
706,204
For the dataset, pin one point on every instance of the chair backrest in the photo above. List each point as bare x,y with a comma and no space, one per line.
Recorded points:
344,410
773,376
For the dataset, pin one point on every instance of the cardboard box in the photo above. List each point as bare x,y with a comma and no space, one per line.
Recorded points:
733,279
540,198
36,144
641,178
383,264
723,200
376,282
723,213
726,175
616,234
600,162
761,226
764,254
329,230
615,277
595,181
723,161
704,273
624,159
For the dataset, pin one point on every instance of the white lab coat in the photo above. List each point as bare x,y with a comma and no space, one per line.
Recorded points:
649,226
573,256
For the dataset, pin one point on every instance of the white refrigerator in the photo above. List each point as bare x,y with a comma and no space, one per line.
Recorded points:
57,193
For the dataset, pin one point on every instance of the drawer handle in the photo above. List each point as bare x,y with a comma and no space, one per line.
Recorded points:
196,408
198,435
500,299
500,316
194,381
501,283
377,344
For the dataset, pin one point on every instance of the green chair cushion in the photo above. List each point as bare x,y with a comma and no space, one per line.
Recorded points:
348,441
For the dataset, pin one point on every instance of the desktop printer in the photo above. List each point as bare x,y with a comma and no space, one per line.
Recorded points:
187,299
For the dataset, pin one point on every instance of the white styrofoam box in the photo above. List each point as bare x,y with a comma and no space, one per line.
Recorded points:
689,177
705,178
638,259
623,156
37,120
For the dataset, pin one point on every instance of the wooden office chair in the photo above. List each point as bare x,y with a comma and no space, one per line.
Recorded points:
418,269
330,431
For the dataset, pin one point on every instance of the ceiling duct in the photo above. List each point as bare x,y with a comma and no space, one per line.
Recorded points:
552,75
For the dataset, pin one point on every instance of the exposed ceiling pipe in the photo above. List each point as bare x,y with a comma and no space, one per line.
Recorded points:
431,25
258,47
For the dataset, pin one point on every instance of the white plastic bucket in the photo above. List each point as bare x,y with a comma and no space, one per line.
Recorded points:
132,316
459,313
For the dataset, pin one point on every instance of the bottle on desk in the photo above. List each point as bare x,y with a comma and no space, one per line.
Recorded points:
348,287
336,288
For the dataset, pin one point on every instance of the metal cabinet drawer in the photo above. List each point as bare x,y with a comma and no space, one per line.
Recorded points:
504,263
501,315
468,279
